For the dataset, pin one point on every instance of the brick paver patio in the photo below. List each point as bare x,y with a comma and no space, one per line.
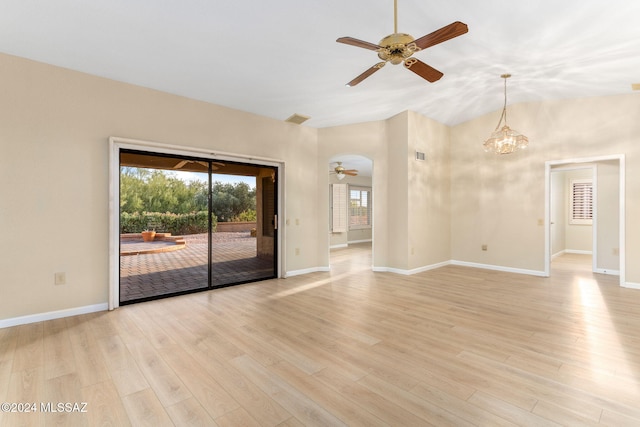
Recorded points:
234,261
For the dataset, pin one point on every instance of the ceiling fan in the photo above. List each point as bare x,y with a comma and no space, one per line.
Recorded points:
399,47
341,172
183,163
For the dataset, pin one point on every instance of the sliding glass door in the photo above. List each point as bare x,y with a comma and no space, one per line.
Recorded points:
190,224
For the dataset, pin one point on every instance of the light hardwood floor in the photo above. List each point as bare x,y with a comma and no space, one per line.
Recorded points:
453,346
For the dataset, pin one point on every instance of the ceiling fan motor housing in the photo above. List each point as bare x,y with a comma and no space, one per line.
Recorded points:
397,47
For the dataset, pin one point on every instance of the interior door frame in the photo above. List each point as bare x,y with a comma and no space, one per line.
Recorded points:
116,144
594,226
621,221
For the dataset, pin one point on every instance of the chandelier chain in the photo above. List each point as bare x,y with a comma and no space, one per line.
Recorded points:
504,108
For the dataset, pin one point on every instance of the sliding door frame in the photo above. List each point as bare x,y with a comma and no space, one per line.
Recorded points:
116,144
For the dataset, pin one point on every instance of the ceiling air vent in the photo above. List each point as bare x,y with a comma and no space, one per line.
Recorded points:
297,119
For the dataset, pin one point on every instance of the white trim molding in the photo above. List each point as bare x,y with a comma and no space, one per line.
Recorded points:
117,143
573,163
631,285
500,268
578,252
41,317
340,246
607,271
293,273
412,271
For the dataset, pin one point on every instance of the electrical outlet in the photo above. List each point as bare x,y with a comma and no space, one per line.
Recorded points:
297,251
616,251
297,221
485,247
60,278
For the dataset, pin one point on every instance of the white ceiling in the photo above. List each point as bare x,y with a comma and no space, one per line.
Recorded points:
280,57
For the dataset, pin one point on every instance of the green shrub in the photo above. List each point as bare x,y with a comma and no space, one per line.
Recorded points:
176,224
245,216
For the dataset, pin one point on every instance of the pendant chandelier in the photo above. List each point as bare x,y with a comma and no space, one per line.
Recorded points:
505,140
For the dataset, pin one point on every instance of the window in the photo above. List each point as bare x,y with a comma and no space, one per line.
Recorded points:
359,207
581,202
339,208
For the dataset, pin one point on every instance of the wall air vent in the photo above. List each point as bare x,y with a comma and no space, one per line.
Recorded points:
297,119
420,156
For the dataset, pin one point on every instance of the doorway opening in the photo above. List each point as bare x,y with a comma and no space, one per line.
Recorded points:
213,223
572,224
351,201
592,231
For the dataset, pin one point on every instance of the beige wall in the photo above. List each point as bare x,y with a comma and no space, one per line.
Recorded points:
429,191
559,213
54,178
54,175
398,200
498,200
608,215
415,213
368,140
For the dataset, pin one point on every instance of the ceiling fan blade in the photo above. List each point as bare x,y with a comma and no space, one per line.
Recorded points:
358,43
425,71
350,173
366,74
442,35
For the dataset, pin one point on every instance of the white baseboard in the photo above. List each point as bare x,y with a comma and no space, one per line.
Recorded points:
40,317
360,241
557,254
412,271
607,271
293,273
341,245
499,268
631,285
575,251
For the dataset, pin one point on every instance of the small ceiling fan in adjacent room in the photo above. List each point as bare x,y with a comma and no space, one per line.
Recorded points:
399,47
341,172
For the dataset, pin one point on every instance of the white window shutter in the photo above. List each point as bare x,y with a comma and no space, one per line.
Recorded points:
581,201
339,211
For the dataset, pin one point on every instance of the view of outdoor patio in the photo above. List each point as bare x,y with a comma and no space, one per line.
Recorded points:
179,232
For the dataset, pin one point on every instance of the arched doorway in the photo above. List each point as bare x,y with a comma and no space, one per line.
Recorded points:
351,199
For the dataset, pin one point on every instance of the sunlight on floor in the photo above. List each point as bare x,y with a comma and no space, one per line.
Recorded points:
607,354
308,286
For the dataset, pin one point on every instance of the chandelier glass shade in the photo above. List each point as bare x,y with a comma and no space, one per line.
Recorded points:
505,140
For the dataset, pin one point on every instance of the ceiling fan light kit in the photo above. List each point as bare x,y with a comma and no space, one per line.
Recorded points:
504,140
398,48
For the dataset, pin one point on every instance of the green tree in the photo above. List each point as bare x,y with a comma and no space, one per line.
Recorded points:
230,200
151,190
